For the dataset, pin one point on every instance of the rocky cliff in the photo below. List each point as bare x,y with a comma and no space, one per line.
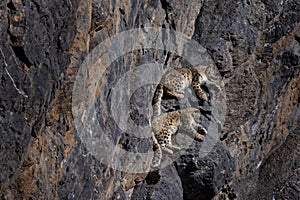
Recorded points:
253,44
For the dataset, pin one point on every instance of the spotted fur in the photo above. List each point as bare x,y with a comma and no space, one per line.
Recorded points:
167,124
174,82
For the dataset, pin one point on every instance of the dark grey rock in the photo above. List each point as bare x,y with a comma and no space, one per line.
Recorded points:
201,177
163,184
34,39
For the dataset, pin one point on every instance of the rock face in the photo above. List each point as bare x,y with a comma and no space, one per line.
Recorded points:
255,46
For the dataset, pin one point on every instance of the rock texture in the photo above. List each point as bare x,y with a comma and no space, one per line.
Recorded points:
255,45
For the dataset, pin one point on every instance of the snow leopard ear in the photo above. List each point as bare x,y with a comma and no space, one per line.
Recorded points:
201,69
196,114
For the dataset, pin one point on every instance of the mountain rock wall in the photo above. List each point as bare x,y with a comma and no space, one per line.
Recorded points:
254,44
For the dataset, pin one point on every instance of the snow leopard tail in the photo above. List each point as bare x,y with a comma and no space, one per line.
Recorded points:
156,101
157,152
